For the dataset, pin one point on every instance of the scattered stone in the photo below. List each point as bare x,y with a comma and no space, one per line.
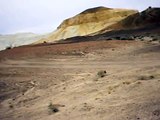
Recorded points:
147,39
54,108
156,112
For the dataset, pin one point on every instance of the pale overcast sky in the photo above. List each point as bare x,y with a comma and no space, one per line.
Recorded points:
42,16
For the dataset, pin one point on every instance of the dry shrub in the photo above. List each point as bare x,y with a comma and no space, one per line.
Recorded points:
102,73
53,108
146,77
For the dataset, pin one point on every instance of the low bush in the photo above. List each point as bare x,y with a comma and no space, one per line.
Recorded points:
102,73
9,47
52,108
146,77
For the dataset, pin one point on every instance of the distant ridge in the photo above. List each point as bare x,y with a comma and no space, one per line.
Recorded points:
96,9
18,39
142,19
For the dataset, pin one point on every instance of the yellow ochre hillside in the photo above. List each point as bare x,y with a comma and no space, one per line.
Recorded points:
89,21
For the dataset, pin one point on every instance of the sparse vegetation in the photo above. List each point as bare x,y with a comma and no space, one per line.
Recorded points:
52,108
102,73
9,47
138,82
10,106
44,42
112,88
146,77
126,82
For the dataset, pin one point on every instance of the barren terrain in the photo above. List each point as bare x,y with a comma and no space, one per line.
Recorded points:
65,75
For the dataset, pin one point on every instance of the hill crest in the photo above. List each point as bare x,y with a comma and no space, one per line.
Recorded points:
87,22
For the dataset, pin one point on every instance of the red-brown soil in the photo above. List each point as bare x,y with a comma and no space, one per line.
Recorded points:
46,49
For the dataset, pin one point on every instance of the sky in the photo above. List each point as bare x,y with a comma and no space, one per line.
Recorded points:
44,16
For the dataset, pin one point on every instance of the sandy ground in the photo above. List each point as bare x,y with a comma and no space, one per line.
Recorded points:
129,91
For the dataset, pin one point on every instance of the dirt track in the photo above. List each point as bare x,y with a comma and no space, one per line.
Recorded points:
129,91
